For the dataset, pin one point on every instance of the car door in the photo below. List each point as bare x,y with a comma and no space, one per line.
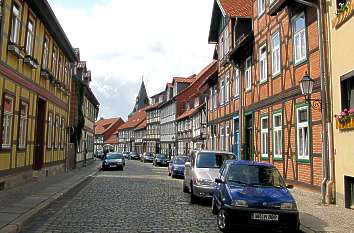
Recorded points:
220,189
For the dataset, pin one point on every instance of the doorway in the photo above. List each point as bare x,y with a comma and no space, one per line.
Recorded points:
248,153
40,132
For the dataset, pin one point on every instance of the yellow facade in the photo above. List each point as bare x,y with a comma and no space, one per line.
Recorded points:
341,49
27,84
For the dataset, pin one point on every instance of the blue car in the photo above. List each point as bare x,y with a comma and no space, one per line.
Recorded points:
253,195
176,166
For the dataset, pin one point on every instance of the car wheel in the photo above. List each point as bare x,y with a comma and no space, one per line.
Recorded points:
214,208
193,197
222,221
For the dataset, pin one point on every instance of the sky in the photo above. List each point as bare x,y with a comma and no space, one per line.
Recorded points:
125,40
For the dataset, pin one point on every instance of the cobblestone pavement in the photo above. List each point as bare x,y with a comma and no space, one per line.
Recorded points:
142,198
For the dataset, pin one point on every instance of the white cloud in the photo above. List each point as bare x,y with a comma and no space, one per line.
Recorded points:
123,40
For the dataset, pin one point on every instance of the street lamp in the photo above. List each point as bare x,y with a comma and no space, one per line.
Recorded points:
306,86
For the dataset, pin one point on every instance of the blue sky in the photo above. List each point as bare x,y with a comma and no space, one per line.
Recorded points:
122,40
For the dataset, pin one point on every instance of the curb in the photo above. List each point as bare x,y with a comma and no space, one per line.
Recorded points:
16,225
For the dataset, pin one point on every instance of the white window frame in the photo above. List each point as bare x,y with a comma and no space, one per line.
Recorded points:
50,130
45,53
22,137
237,82
215,103
278,137
264,138
227,88
8,118
262,54
226,41
261,7
299,40
300,127
221,46
271,2
227,140
222,92
222,139
276,55
30,37
211,98
248,74
15,23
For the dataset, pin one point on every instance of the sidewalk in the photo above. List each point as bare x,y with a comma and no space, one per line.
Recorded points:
19,204
316,217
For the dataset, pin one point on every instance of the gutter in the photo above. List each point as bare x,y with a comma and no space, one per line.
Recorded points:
326,122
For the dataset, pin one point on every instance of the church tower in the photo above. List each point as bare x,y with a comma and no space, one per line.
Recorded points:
142,100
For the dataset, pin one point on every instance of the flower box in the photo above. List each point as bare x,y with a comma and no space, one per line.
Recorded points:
345,120
345,125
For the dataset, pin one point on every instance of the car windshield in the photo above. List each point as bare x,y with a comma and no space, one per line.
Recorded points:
114,156
180,160
212,159
255,175
161,156
148,154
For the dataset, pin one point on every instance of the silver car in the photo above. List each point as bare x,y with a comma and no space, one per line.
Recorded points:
200,172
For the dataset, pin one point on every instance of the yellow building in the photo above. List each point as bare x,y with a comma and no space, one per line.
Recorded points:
341,49
35,73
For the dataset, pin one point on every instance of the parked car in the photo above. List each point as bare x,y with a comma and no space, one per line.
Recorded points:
126,155
113,160
134,155
148,157
253,194
176,166
201,171
99,154
160,160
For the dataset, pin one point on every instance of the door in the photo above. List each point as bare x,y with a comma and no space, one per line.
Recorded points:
248,137
40,132
236,146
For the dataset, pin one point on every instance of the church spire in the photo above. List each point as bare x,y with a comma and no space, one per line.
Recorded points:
142,100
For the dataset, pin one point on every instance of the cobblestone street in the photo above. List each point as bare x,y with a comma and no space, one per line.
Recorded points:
142,198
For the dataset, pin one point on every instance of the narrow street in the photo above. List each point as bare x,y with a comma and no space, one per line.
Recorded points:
142,198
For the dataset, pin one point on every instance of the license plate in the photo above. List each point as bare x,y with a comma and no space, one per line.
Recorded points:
112,165
265,217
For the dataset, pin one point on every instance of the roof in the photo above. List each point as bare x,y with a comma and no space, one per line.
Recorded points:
227,8
142,125
112,139
134,120
169,85
152,106
160,93
236,8
184,80
190,112
104,124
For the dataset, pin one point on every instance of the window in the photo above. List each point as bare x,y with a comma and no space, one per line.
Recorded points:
62,132
276,54
50,130
263,63
226,41
227,89
30,37
60,70
302,127
57,132
215,98
299,39
221,47
227,141
45,53
222,133
54,62
22,136
264,137
248,74
211,99
237,82
271,2
222,86
8,111
277,136
261,7
347,89
15,24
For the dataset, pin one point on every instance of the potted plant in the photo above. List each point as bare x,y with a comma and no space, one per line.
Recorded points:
345,120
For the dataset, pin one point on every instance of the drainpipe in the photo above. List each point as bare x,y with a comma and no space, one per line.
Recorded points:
324,102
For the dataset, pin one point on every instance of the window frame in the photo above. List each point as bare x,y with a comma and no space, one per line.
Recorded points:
278,49
222,138
12,115
222,92
248,74
17,26
237,82
20,119
302,158
263,74
294,34
50,127
276,129
45,52
261,10
227,88
264,131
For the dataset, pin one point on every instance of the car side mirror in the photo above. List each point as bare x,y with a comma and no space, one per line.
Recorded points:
219,181
187,164
289,186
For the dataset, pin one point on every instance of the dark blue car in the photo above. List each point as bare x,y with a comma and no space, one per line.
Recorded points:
176,166
253,195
